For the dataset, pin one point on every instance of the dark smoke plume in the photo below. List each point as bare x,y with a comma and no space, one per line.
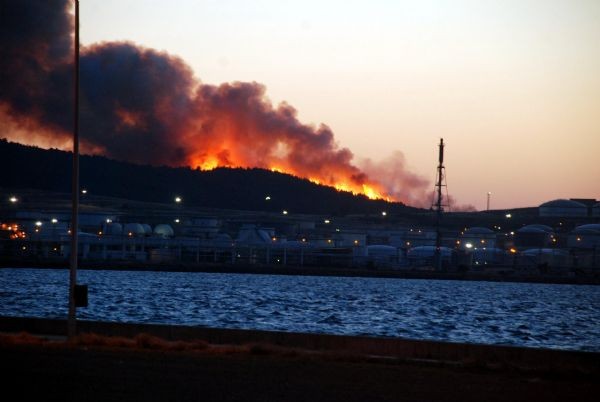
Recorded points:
145,106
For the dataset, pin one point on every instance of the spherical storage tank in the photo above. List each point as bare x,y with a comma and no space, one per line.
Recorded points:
147,229
163,230
585,236
535,235
549,256
563,208
134,229
113,228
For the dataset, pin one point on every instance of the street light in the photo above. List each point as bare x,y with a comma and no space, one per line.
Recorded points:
13,199
178,200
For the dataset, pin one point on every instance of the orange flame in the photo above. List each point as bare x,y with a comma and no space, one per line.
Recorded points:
222,156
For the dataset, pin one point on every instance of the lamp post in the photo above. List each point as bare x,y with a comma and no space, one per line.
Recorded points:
71,320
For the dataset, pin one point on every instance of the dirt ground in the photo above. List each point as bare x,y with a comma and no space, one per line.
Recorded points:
52,371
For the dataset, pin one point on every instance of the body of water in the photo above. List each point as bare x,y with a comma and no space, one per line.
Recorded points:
535,315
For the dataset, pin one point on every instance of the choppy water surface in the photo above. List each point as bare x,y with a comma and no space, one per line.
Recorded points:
537,315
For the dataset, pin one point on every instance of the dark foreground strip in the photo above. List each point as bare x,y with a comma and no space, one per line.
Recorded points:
510,356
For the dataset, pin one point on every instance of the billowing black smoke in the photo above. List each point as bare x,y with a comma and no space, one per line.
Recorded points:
145,106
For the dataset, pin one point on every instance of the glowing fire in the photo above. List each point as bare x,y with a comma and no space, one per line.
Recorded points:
146,106
372,190
208,164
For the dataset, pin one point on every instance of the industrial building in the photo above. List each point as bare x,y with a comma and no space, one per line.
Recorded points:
569,239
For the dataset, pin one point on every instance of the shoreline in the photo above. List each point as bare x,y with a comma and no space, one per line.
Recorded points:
110,361
359,345
499,276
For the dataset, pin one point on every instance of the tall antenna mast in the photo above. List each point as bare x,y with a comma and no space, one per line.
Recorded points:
439,204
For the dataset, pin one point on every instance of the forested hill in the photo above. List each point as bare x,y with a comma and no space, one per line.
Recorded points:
245,189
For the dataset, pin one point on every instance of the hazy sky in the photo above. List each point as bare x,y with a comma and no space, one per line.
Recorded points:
512,86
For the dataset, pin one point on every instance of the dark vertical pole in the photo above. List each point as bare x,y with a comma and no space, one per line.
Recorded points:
438,237
72,328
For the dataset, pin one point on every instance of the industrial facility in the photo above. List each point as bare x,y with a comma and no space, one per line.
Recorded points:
568,242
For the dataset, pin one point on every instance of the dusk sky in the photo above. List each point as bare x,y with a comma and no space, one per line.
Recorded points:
512,86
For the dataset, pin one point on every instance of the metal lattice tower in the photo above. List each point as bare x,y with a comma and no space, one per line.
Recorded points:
440,203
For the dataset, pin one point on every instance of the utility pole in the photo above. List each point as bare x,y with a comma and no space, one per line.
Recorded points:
71,321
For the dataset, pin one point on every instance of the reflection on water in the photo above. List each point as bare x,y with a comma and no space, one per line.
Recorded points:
537,315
